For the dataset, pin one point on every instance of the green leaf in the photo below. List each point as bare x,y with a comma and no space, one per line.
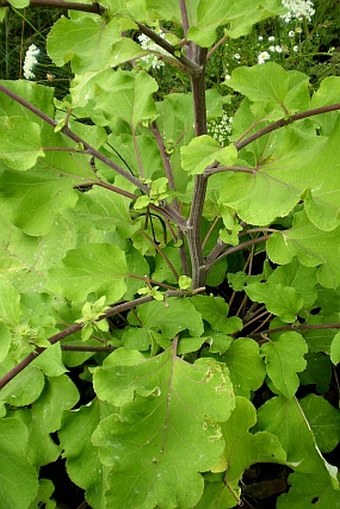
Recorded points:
32,200
120,94
283,301
324,419
83,464
308,490
19,481
284,418
25,388
312,246
59,394
166,396
20,142
299,277
45,492
19,4
239,14
282,91
214,310
284,357
247,370
318,371
5,342
276,187
50,361
203,151
96,268
171,317
243,448
86,42
335,349
10,310
217,495
42,449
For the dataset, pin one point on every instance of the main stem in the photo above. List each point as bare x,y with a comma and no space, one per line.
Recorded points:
200,186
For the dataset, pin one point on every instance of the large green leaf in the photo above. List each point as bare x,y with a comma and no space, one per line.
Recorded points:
120,94
308,491
127,96
25,388
20,142
32,200
171,317
312,246
86,41
203,151
19,481
284,92
97,268
283,301
244,448
215,310
10,310
335,349
208,15
277,185
83,463
299,277
284,357
165,396
59,394
284,418
324,419
247,370
42,450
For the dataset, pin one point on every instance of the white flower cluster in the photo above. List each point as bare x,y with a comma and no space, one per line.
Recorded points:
298,9
30,61
220,130
149,45
263,57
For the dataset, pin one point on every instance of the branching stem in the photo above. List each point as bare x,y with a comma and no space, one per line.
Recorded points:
286,121
76,327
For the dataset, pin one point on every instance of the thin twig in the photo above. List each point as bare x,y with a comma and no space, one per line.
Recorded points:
234,249
286,121
74,137
297,327
187,65
110,187
164,155
239,169
85,348
95,8
162,255
76,327
217,45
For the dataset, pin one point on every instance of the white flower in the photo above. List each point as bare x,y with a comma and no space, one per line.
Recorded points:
227,77
260,38
237,56
272,49
278,48
271,38
291,34
30,61
263,57
296,48
221,130
298,9
147,44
